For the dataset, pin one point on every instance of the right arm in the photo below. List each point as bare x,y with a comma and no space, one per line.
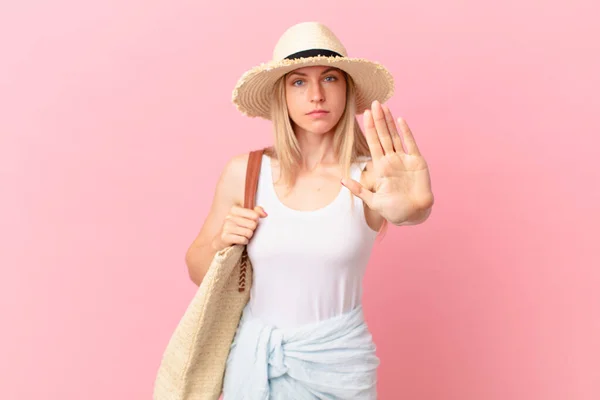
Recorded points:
227,222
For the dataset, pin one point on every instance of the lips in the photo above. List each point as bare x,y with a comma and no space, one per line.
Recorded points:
317,112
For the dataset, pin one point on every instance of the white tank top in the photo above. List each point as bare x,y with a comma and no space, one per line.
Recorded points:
308,265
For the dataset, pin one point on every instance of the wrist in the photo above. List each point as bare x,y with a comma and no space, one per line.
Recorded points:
216,244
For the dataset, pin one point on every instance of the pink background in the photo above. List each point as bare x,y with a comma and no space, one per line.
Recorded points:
115,121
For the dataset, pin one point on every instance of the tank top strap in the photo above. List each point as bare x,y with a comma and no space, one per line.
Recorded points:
359,166
265,169
264,191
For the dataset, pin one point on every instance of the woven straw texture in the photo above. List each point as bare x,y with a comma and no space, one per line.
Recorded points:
253,92
193,364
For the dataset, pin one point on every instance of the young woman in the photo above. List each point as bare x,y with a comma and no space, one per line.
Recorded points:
325,191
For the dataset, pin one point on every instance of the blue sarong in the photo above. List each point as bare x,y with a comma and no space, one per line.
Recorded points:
330,359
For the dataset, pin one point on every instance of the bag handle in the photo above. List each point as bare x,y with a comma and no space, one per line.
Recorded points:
252,174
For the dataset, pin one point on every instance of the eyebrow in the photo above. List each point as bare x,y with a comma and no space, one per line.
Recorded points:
323,73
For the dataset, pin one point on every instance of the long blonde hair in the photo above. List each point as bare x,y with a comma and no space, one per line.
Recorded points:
348,140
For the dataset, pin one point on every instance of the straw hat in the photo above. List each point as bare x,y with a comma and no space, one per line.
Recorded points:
309,44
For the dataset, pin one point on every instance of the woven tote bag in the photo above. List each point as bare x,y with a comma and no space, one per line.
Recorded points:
193,364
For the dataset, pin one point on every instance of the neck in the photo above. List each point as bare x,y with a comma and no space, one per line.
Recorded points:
316,148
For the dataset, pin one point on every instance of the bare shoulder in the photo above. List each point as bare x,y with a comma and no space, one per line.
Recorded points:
236,166
229,192
233,178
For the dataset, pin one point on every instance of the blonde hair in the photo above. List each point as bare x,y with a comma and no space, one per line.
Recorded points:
349,141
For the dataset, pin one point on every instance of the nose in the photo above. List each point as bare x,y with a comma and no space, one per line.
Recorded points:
316,93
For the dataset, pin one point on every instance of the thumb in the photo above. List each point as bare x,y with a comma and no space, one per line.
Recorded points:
260,211
358,190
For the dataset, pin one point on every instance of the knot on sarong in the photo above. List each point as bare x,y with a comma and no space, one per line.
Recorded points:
277,365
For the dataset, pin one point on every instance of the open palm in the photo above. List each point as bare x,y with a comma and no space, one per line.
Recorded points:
402,185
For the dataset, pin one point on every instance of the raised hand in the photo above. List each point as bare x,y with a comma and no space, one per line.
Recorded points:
401,182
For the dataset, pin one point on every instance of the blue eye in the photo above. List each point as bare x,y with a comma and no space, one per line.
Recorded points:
329,78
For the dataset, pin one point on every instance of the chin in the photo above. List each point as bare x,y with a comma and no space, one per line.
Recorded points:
318,127
318,130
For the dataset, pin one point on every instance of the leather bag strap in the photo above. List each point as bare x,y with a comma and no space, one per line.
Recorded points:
252,173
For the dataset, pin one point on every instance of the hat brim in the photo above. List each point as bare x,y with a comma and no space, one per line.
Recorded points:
253,93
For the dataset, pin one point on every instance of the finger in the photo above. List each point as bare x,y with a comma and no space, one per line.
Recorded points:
244,222
371,136
407,136
239,231
359,191
261,211
235,239
381,126
389,118
245,213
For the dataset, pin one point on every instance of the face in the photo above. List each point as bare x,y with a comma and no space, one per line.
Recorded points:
315,88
